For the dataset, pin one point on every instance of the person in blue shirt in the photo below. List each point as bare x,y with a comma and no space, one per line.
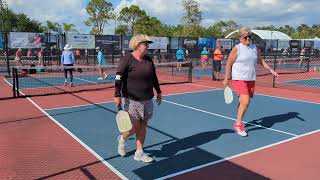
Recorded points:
180,57
102,64
67,59
204,58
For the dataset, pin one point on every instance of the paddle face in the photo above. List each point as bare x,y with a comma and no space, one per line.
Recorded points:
228,96
123,121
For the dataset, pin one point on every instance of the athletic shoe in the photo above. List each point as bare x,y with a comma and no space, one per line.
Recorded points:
106,76
100,78
240,129
142,157
71,84
121,146
65,83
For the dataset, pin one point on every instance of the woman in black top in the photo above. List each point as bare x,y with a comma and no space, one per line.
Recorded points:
135,79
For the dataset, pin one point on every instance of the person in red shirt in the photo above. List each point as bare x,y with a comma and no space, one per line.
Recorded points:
18,57
78,55
40,57
217,59
29,55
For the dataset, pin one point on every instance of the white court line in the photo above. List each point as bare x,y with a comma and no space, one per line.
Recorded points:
86,80
238,155
66,107
114,170
233,119
7,81
297,100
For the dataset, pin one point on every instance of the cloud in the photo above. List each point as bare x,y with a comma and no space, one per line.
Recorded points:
62,11
245,12
168,11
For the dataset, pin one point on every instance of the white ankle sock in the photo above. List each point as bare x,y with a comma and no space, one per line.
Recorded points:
122,140
139,151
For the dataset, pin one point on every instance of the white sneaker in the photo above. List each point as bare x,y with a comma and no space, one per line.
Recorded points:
100,78
142,157
121,146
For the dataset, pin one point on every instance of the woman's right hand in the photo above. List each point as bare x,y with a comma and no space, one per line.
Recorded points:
225,82
117,101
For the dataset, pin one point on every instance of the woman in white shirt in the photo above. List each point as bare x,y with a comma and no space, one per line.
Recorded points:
243,59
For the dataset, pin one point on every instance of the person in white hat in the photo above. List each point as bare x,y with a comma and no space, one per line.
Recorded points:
101,63
135,79
67,59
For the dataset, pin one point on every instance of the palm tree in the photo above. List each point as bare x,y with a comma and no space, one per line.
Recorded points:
68,27
53,27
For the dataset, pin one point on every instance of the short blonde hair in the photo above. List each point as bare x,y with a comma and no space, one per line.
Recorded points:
137,39
244,30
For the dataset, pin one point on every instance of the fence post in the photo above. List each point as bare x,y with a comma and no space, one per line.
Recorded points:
190,72
112,55
94,59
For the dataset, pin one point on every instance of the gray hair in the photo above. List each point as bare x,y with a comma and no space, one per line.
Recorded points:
244,30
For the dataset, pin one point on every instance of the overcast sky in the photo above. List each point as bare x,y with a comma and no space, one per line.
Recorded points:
245,12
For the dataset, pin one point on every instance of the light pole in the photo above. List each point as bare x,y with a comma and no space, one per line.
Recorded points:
271,41
1,9
115,16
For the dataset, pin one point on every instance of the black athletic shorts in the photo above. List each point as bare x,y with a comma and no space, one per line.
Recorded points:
216,66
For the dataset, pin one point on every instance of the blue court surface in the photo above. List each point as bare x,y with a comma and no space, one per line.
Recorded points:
44,82
315,82
189,130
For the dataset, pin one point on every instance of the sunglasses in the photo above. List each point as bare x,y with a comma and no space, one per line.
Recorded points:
144,43
246,37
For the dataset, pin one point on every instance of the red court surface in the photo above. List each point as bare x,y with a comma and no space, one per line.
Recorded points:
6,91
33,146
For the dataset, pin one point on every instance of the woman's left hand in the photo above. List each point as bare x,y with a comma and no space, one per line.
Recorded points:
274,73
159,99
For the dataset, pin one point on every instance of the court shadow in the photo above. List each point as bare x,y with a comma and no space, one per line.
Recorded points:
196,140
217,167
270,121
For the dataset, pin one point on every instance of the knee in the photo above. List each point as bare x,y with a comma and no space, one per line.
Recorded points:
245,101
137,127
142,127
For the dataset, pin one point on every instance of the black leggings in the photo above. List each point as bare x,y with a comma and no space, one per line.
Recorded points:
216,65
68,70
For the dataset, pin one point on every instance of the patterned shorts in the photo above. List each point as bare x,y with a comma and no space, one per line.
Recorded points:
138,110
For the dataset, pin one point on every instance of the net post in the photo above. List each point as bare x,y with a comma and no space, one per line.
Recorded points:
274,68
172,71
213,71
17,82
13,76
190,72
